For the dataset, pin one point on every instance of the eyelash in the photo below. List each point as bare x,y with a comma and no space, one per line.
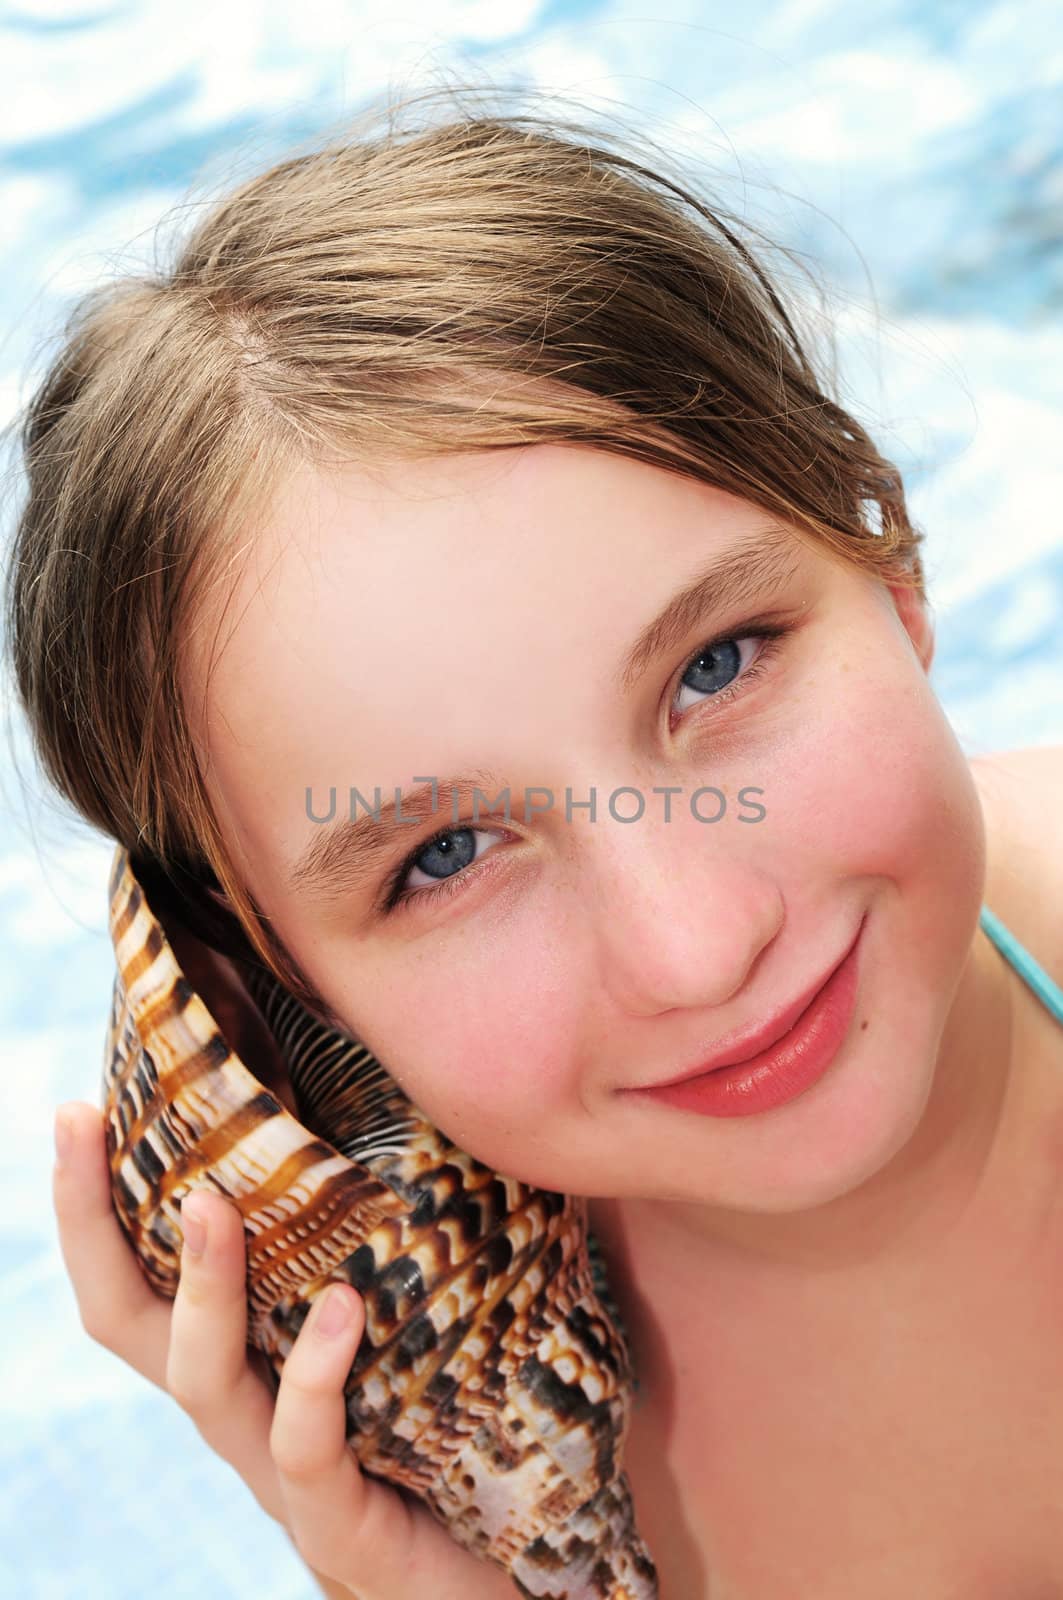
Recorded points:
771,636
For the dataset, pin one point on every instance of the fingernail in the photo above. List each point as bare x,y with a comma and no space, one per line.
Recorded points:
335,1314
194,1229
62,1136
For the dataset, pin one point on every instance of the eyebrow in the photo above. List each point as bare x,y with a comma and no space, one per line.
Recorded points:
760,566
345,855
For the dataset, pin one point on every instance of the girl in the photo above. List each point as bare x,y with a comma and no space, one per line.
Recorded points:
482,455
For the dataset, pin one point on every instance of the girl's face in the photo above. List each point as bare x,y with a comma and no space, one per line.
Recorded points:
491,616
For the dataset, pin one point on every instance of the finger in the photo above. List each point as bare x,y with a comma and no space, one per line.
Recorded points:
118,1307
208,1370
346,1526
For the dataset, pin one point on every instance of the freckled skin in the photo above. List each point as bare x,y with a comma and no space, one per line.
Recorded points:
472,612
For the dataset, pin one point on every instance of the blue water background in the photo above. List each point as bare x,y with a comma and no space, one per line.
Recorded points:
914,148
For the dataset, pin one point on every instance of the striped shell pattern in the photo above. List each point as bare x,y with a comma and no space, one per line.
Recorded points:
493,1380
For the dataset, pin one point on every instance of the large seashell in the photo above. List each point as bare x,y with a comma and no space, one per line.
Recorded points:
493,1379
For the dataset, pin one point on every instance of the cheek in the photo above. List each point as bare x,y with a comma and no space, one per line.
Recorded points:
877,785
483,1039
880,796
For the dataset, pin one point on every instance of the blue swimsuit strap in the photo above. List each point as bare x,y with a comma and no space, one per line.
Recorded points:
1044,987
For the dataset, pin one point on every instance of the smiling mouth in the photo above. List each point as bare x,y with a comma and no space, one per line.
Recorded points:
753,1043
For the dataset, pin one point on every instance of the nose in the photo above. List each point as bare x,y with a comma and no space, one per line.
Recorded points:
681,916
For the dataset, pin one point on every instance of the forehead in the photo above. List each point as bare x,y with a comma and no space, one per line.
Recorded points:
526,520
431,617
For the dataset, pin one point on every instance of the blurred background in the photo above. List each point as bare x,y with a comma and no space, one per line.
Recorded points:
913,149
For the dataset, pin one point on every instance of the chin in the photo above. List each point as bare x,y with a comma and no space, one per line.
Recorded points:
826,1145
848,1142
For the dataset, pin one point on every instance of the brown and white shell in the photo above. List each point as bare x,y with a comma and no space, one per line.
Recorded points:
493,1379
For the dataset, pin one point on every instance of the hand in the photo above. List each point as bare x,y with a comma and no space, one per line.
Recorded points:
290,1450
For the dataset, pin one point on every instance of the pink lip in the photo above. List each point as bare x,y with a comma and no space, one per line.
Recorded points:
743,1047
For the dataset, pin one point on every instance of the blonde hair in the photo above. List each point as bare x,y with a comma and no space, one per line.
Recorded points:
476,282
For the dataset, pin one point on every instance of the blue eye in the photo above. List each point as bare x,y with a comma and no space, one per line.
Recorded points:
445,857
717,671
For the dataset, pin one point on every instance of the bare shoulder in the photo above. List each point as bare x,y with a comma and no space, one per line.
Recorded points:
1038,770
1022,801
